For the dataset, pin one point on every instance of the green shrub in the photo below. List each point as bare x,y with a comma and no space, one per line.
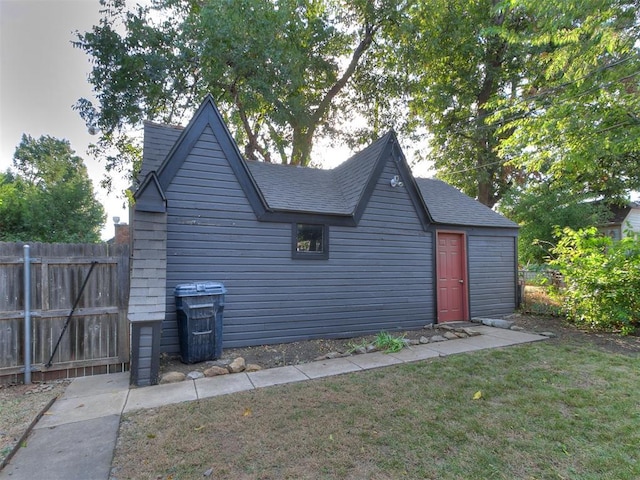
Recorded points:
602,279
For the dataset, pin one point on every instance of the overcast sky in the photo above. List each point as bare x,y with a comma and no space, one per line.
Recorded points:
42,76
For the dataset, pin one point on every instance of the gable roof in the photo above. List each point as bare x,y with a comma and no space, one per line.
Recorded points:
276,192
448,205
620,212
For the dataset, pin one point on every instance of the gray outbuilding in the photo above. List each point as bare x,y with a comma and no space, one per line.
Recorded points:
308,253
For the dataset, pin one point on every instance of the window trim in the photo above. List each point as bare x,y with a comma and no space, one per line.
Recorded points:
296,255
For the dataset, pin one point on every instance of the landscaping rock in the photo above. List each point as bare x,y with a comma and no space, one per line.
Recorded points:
516,328
195,375
495,322
371,348
215,371
444,326
471,332
412,342
449,335
360,350
424,340
548,334
253,367
461,334
437,338
238,365
222,362
332,355
172,377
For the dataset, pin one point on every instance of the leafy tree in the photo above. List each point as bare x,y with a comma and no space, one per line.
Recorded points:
460,65
541,210
280,70
576,120
50,197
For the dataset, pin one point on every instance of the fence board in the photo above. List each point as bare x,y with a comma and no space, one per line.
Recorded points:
98,332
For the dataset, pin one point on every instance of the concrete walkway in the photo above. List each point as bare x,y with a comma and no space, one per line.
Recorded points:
75,439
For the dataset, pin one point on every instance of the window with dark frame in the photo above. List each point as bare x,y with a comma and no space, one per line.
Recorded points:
310,241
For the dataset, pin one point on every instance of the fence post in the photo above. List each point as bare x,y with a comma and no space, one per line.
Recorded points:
27,316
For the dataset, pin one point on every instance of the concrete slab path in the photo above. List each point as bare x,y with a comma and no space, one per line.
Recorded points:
76,439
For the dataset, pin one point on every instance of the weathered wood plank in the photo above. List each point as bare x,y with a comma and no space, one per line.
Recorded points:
97,333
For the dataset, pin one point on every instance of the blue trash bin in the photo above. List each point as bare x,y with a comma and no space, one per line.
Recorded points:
200,308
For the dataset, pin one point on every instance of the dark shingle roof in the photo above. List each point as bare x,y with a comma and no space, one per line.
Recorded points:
313,190
299,189
334,192
158,141
449,205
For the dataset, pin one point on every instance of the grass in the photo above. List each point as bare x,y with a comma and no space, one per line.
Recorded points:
546,412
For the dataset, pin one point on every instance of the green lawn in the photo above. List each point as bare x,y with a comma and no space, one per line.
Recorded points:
546,411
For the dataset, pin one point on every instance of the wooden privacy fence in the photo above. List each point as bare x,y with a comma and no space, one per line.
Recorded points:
97,337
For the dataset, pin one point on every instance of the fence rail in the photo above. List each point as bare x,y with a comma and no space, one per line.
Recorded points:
97,335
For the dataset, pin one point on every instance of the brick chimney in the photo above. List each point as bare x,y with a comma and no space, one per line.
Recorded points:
121,232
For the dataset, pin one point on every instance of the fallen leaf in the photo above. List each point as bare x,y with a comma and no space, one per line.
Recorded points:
151,435
208,473
247,412
477,395
199,428
81,405
331,437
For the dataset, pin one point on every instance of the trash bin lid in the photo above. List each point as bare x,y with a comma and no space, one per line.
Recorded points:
200,288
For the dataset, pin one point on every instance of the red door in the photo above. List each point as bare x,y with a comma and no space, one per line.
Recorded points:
451,277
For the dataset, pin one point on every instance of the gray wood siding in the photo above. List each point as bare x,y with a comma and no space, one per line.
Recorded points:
492,275
378,275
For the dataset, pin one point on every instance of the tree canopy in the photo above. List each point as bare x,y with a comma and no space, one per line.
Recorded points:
519,98
49,197
575,122
280,71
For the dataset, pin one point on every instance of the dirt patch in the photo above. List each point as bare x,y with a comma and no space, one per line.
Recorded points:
19,406
270,356
567,333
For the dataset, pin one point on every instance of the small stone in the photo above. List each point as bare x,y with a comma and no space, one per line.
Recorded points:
516,328
424,340
449,335
253,367
360,350
414,342
437,338
238,365
195,375
428,327
215,371
461,335
172,377
208,473
371,348
320,358
548,334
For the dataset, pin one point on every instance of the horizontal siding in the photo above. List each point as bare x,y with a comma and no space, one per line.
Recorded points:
492,275
378,275
633,220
